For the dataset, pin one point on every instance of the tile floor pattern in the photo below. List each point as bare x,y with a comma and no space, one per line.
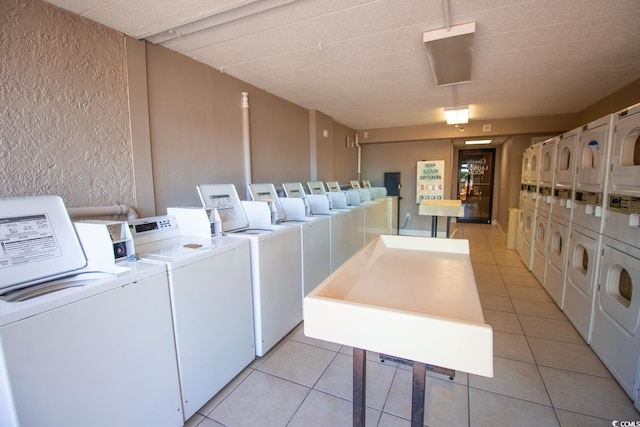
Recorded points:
544,373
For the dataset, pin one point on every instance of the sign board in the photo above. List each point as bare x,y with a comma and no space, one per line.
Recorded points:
430,180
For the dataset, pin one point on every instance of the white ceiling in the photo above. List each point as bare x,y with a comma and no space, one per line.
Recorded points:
363,62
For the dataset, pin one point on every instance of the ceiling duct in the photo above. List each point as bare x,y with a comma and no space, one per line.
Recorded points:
450,51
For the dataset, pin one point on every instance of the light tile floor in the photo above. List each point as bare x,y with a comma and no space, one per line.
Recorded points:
544,373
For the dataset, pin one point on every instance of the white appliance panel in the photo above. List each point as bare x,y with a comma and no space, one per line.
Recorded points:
38,241
582,275
213,321
540,239
529,221
557,249
617,314
107,360
625,153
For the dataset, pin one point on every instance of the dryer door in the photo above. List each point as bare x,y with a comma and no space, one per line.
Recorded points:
625,156
619,273
592,156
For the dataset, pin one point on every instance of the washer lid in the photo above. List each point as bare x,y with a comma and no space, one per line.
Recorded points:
224,197
37,241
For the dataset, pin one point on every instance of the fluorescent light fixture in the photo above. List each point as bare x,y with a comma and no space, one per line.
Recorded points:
449,51
478,141
456,115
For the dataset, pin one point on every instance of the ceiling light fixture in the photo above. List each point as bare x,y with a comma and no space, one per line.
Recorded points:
478,141
456,115
450,51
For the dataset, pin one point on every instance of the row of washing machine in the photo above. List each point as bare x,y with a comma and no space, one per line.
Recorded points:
579,234
172,340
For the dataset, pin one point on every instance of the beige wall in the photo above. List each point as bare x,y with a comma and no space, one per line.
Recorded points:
403,157
64,125
196,130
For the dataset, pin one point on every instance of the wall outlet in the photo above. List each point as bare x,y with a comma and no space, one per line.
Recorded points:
408,215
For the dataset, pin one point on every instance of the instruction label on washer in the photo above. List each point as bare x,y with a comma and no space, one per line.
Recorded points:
224,205
26,239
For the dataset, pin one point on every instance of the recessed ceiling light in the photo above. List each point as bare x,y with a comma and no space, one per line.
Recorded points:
478,141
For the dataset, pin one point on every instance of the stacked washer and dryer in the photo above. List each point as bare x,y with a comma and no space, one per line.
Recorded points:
592,258
544,205
529,202
615,337
592,164
561,209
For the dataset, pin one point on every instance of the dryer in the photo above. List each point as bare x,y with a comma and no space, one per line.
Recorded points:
276,262
547,175
557,250
625,153
616,338
528,235
622,217
93,339
591,178
581,278
564,176
211,301
540,235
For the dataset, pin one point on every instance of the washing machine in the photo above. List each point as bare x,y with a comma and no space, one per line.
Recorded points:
616,339
315,231
592,173
80,341
276,262
211,300
564,176
347,236
581,278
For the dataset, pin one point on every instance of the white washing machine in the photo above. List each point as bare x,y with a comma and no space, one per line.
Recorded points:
557,250
347,236
276,262
581,278
616,338
591,178
93,346
564,176
315,231
211,302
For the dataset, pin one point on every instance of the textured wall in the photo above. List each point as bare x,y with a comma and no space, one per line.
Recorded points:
64,126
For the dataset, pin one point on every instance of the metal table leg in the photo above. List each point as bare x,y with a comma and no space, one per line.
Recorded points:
434,226
417,394
359,386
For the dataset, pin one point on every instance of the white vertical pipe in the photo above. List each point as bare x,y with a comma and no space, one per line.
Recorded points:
246,143
359,154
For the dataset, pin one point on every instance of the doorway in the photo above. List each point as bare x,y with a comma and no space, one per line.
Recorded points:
475,184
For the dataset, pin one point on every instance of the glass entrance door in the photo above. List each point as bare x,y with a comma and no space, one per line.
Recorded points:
475,184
